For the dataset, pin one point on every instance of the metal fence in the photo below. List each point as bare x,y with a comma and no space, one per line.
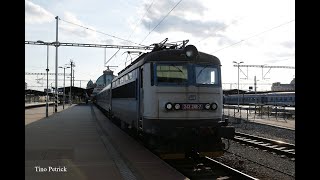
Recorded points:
31,98
252,112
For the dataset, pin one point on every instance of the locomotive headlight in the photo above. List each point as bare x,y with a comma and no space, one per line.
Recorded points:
168,106
177,106
207,106
214,106
191,51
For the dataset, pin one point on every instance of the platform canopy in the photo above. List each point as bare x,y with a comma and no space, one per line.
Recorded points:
35,92
76,91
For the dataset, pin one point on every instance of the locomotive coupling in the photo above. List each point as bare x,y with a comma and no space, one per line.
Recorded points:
225,131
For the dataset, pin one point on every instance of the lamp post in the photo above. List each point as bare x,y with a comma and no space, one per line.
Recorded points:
64,80
73,78
47,105
71,65
53,93
238,82
70,97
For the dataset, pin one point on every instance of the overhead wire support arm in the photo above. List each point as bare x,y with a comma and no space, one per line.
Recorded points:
106,62
60,74
89,45
243,73
264,66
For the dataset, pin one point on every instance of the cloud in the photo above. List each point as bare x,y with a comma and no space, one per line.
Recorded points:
107,41
280,56
186,17
284,54
185,7
174,23
276,60
35,14
74,27
288,44
225,41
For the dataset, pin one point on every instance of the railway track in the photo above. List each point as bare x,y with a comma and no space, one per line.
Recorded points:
271,145
207,168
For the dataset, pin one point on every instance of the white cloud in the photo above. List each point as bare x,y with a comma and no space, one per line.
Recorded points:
186,17
35,14
72,27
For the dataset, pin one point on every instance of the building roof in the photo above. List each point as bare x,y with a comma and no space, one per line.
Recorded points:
74,90
233,91
77,91
34,92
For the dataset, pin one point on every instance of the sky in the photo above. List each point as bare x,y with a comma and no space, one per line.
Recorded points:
254,32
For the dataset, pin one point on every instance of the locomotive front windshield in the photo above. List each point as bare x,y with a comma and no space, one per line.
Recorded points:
206,75
187,74
171,73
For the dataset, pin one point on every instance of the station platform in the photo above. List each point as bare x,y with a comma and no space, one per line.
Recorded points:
80,143
250,116
282,123
36,113
37,104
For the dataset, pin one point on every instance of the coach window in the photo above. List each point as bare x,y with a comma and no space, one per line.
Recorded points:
172,73
141,78
130,76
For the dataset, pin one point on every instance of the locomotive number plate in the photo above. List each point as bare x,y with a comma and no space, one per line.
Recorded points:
192,106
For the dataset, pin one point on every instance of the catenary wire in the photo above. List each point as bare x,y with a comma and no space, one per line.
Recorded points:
161,21
253,36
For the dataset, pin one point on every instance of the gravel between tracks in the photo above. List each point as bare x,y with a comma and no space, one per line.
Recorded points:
266,131
255,162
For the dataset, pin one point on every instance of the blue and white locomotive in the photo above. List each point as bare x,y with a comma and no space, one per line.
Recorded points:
172,97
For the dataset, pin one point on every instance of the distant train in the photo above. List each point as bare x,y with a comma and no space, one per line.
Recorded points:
271,98
172,98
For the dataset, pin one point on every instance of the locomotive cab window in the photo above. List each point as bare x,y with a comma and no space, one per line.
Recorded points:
172,73
206,75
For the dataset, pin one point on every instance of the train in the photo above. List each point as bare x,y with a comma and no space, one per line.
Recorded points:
267,98
172,98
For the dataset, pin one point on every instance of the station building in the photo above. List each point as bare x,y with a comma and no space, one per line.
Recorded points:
277,86
104,80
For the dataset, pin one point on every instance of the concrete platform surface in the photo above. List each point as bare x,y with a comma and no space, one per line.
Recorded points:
80,143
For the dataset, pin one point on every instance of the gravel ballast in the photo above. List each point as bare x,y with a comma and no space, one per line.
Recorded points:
258,163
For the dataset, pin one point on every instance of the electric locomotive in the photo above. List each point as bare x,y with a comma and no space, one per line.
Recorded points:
172,98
